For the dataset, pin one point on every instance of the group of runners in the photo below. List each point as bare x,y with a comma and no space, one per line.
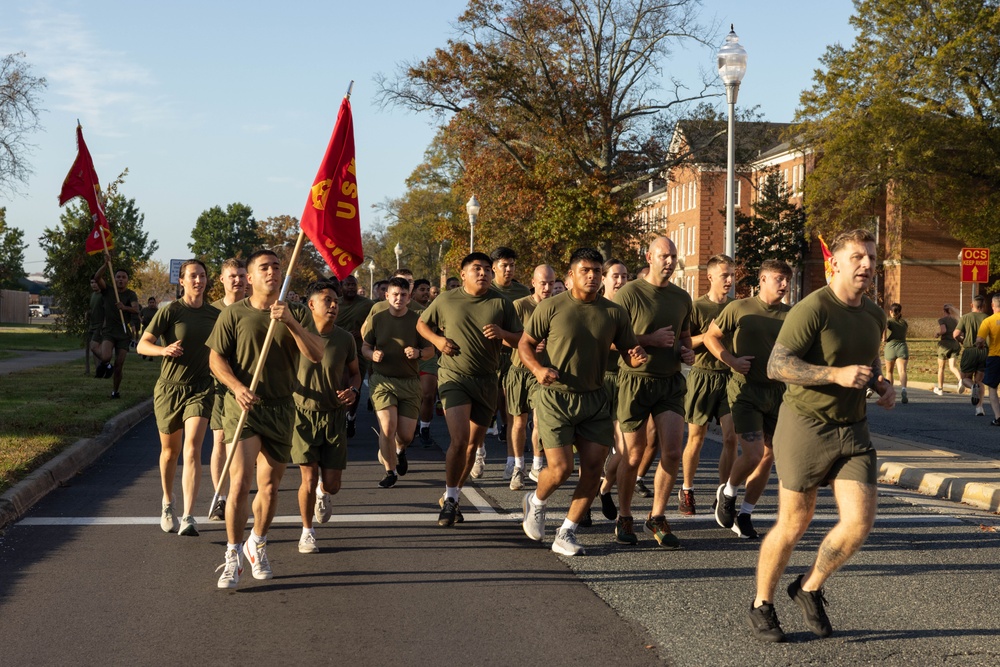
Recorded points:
597,369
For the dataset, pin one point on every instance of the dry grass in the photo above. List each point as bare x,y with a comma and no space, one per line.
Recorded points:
922,366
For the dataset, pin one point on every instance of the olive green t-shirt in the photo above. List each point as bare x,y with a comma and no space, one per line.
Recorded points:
239,337
191,326
896,330
579,335
513,291
392,335
949,326
221,305
524,307
969,325
352,314
317,384
461,317
752,326
383,306
96,310
650,308
823,330
112,318
147,313
703,312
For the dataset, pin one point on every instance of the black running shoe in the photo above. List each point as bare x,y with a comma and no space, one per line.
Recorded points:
811,603
764,623
402,465
115,394
743,527
109,370
588,520
725,508
608,507
389,479
351,428
425,437
219,511
502,433
641,490
449,508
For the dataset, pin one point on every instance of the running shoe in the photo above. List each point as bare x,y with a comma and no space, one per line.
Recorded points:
502,433
459,517
960,387
725,508
588,519
534,518
389,480
168,522
508,471
938,391
975,394
517,479
219,511
402,465
565,544
624,534
109,370
351,428
189,527
425,437
534,473
980,412
658,527
608,508
685,503
995,422
904,400
307,544
479,466
324,507
812,605
257,557
743,527
115,394
449,509
231,568
641,490
764,623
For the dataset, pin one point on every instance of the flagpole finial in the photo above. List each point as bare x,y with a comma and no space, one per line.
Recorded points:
350,87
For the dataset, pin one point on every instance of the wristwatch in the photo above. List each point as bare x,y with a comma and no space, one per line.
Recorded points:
357,392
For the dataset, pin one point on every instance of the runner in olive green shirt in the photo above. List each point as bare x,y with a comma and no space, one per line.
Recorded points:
895,351
265,439
579,326
233,276
352,313
395,348
973,363
96,322
660,313
319,443
706,397
115,336
182,397
827,354
474,321
751,327
948,349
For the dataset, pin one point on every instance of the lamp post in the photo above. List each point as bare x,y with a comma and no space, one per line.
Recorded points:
371,277
732,62
472,208
399,253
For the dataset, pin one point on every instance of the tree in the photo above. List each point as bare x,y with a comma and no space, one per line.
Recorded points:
153,279
219,235
279,233
69,268
913,106
556,112
19,112
775,231
12,247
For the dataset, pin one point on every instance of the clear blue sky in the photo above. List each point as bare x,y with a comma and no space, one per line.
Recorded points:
213,103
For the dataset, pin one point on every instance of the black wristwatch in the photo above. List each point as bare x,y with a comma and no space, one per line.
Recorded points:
357,392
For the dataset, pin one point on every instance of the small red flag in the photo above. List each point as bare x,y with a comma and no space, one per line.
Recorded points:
827,256
331,219
81,181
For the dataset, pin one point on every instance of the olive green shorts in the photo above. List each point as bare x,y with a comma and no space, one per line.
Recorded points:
174,404
403,393
973,360
948,350
271,421
896,349
754,406
641,396
518,386
95,335
429,366
611,387
706,397
218,409
563,417
456,389
810,453
117,336
320,437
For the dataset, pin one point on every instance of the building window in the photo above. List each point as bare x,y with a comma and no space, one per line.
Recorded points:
680,239
694,189
739,191
691,236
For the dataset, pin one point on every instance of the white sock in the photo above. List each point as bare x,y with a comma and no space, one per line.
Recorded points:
518,461
688,488
536,462
319,488
746,508
730,490
257,539
452,492
510,460
307,531
535,500
481,452
399,450
232,547
641,478
221,497
568,525
425,424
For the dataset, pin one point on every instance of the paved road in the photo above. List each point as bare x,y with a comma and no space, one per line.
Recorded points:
390,587
34,359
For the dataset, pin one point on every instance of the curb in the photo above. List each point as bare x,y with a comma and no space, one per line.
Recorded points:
940,485
56,472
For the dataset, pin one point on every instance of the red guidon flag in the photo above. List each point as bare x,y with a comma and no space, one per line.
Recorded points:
331,219
827,256
81,181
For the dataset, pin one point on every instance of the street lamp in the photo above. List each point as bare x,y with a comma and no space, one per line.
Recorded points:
732,61
399,253
472,208
371,277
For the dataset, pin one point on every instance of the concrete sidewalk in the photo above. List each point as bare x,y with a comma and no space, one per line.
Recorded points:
33,359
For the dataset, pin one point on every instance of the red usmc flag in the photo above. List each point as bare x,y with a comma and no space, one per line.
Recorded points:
81,181
331,219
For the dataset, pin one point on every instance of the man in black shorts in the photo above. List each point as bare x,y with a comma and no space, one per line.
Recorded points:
116,337
827,353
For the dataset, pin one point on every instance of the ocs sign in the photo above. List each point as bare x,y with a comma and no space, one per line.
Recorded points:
975,265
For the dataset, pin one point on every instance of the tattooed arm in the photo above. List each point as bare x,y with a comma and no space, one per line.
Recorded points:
783,365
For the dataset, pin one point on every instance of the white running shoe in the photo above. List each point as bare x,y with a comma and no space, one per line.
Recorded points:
980,412
232,568
938,391
517,479
257,557
534,473
566,545
534,518
307,544
169,522
508,471
189,527
479,466
324,507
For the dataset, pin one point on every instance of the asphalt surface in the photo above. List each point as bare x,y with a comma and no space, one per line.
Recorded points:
390,587
34,359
